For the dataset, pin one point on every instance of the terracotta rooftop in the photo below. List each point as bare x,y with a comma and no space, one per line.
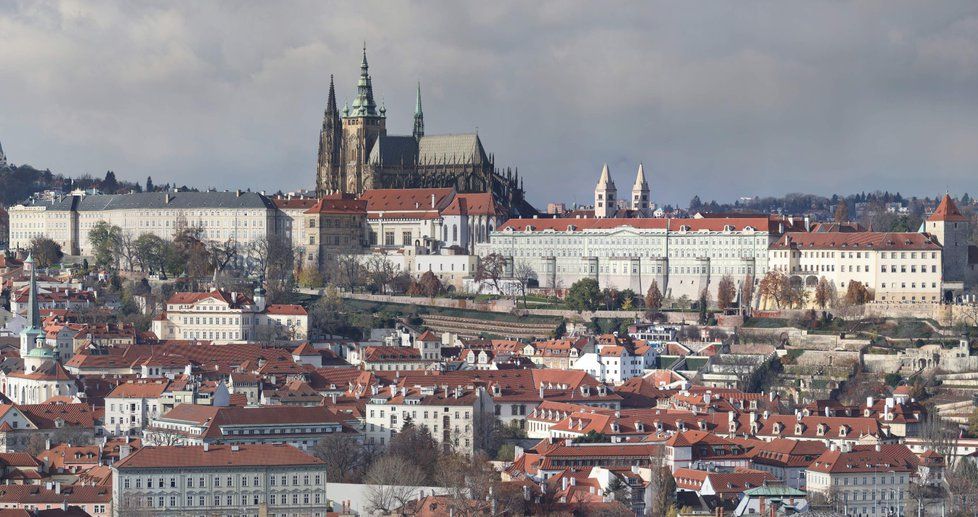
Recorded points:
258,455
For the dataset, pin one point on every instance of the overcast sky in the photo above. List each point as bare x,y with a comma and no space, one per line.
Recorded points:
723,99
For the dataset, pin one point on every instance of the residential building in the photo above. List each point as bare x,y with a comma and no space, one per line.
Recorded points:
131,406
22,423
251,479
456,417
895,267
190,424
334,226
225,317
864,479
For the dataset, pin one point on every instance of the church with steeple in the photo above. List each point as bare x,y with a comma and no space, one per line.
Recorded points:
357,154
42,375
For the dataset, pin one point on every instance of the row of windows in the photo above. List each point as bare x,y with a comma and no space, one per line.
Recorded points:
171,482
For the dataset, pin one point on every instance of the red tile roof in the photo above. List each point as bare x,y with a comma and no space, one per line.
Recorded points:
947,211
856,241
865,458
761,223
406,200
286,310
339,207
254,455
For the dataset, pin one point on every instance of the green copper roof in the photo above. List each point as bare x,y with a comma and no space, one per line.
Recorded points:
775,491
41,351
363,104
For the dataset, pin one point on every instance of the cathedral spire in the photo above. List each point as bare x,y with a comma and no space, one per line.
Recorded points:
3,157
364,104
418,116
330,101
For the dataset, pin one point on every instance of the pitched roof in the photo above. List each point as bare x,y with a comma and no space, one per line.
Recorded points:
465,148
216,456
865,458
328,205
407,199
856,241
761,224
286,310
947,211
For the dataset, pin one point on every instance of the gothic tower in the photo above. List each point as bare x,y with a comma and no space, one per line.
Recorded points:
953,231
418,117
363,124
328,177
605,195
640,192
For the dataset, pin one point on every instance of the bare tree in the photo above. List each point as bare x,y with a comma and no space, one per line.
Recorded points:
775,286
491,270
273,259
345,271
128,250
222,254
346,460
161,437
380,273
523,274
823,293
726,292
389,481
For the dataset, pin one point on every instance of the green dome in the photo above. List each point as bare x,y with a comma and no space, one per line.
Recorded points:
43,352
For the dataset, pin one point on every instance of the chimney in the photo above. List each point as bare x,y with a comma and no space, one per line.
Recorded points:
166,198
432,201
57,485
869,402
206,447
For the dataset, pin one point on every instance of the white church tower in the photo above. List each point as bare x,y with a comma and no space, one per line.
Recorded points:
605,195
640,193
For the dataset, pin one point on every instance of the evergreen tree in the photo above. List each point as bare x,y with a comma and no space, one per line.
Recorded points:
149,184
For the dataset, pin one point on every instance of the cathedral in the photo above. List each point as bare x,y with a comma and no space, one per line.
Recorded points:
357,154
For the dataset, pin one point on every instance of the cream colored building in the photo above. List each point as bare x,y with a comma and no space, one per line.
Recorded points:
684,256
244,217
896,267
454,416
253,479
864,479
224,317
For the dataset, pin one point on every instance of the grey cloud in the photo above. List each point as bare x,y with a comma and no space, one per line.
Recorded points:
717,98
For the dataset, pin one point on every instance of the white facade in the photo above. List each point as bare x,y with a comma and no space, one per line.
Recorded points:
895,267
684,256
190,488
244,217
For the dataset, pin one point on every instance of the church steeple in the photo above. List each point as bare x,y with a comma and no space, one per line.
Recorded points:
33,311
418,116
640,191
364,105
605,195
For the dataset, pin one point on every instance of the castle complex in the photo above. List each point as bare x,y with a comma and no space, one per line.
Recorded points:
356,154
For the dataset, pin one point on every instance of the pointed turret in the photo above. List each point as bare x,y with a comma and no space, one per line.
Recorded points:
605,195
640,192
330,138
418,116
953,232
32,331
947,211
363,104
3,157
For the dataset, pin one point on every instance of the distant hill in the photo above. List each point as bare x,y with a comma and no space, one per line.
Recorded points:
19,182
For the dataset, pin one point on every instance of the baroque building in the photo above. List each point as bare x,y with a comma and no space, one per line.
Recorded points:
356,154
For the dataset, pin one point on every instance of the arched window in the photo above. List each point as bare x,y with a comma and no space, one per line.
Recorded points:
454,233
444,233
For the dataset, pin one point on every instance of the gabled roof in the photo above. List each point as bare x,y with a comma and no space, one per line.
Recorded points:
856,241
